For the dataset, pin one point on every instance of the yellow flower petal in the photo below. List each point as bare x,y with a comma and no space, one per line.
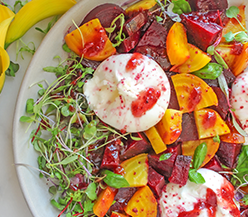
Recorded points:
5,13
2,79
4,60
4,25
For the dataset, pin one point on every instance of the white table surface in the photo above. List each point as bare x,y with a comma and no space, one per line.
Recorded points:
12,201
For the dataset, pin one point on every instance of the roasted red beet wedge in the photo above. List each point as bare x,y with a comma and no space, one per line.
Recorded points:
214,164
155,181
203,5
228,153
180,170
200,30
164,167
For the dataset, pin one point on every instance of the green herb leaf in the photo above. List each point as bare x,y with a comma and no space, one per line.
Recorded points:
91,191
66,48
245,199
26,119
57,205
199,155
13,68
229,37
30,106
165,156
159,19
114,180
210,50
223,85
68,160
241,37
220,60
210,71
232,12
196,177
216,139
49,25
181,6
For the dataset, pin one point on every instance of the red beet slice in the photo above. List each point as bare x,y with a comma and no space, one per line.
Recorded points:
188,122
180,170
204,5
222,107
121,199
228,153
164,167
134,24
200,31
134,147
129,43
155,181
106,13
214,164
111,156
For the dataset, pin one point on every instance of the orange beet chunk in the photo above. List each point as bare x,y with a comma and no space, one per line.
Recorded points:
177,44
233,136
188,148
197,60
104,201
157,143
193,93
232,25
209,123
136,170
170,126
90,41
143,203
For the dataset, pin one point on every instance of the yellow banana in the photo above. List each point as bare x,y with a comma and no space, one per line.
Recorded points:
33,12
5,13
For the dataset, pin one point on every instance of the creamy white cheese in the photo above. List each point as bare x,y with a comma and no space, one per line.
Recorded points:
239,99
176,199
123,80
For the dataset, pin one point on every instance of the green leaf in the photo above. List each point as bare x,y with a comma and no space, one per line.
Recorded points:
220,60
216,139
181,6
114,180
65,111
237,126
210,50
66,48
210,71
30,106
241,37
26,119
223,85
199,155
229,37
159,19
49,25
245,199
196,177
68,160
13,68
165,156
232,12
57,205
91,191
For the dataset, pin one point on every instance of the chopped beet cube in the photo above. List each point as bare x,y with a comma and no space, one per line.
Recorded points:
134,24
230,77
180,170
200,31
106,13
214,164
228,153
205,5
222,107
111,156
121,199
173,104
188,122
155,181
134,147
164,167
129,43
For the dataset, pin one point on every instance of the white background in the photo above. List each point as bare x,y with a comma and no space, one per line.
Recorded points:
12,201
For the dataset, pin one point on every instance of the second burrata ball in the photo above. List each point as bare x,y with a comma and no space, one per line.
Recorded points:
130,92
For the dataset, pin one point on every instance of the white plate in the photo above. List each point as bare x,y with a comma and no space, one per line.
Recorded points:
35,189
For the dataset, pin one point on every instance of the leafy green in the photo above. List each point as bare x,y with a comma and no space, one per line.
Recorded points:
49,25
196,177
13,68
91,191
114,180
238,36
210,71
181,6
233,12
199,155
165,156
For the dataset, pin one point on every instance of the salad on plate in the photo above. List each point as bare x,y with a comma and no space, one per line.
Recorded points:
148,114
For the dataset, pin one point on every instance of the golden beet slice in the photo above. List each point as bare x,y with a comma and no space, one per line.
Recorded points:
136,170
197,60
141,6
209,123
177,44
90,41
170,126
143,203
188,148
193,93
156,141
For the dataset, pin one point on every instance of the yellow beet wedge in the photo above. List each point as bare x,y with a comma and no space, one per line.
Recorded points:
141,5
33,12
